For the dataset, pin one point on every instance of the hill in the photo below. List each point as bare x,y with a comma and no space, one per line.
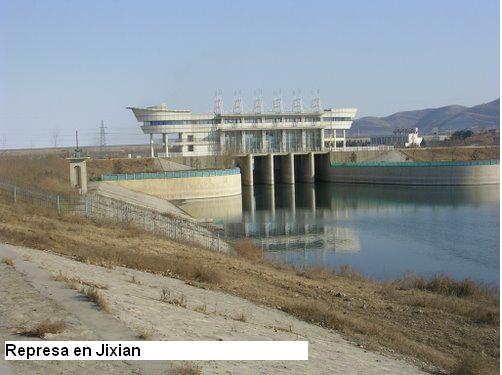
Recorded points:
449,118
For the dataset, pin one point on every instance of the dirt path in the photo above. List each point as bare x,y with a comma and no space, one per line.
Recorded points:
29,295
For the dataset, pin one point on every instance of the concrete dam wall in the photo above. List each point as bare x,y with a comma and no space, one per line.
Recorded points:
411,173
181,184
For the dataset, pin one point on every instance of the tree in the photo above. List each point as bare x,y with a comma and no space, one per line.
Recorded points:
55,136
461,135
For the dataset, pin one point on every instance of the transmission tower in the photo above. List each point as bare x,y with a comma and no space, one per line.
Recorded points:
238,104
316,105
297,103
102,138
277,103
258,103
218,103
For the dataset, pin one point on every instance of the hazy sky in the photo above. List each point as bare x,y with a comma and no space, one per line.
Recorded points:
71,64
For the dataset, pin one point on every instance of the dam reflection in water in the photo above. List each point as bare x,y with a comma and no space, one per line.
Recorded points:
383,231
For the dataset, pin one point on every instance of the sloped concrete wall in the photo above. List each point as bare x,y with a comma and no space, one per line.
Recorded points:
412,175
186,187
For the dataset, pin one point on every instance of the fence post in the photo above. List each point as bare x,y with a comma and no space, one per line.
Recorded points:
14,193
86,206
58,204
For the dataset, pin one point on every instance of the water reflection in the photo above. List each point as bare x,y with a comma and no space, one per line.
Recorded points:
382,230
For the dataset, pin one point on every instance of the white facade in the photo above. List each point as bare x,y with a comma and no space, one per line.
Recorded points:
188,134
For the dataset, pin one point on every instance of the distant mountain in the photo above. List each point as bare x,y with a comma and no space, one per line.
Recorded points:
452,117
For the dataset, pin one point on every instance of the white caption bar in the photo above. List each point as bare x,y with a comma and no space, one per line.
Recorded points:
156,350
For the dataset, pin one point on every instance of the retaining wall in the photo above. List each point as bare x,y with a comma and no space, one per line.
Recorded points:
412,173
183,184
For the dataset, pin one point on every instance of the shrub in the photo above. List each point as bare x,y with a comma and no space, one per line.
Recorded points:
43,328
8,261
247,249
95,296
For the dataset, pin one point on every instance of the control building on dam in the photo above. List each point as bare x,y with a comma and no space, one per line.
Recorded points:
269,146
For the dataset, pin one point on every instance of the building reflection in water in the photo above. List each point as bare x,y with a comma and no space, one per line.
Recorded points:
307,217
311,223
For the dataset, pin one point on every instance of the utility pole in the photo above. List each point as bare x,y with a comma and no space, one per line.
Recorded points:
102,139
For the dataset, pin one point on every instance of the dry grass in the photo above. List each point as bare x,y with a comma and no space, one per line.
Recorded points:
8,261
133,280
452,153
188,368
95,296
144,334
442,284
43,328
247,249
240,317
167,297
437,322
471,365
72,281
97,167
50,172
201,309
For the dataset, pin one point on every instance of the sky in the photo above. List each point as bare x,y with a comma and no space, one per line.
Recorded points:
68,65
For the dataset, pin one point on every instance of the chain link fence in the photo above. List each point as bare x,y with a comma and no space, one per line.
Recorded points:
94,206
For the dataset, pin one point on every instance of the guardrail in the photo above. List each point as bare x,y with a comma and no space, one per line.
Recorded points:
178,174
417,163
95,206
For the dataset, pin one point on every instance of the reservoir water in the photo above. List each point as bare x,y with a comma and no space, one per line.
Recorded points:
382,231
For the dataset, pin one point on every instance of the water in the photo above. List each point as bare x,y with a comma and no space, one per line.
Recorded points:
382,231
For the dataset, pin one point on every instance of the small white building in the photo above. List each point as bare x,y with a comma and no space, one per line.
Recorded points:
413,139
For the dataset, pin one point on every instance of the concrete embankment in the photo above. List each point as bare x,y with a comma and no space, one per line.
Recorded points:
412,173
182,184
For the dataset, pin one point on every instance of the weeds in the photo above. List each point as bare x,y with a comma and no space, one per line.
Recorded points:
188,368
471,365
43,328
95,296
246,248
240,317
144,334
166,297
441,284
8,261
73,281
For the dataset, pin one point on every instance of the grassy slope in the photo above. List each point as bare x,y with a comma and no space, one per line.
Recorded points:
452,153
433,328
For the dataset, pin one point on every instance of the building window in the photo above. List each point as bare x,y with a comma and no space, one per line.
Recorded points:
252,120
190,148
233,121
190,138
337,119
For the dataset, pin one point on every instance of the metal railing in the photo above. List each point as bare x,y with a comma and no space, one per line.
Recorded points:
94,206
417,163
162,175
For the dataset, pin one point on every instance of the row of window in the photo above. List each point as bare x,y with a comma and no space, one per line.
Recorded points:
337,119
186,122
247,120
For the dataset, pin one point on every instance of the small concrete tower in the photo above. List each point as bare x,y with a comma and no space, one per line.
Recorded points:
78,173
78,170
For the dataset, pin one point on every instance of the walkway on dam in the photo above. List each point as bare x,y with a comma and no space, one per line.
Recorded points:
138,199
